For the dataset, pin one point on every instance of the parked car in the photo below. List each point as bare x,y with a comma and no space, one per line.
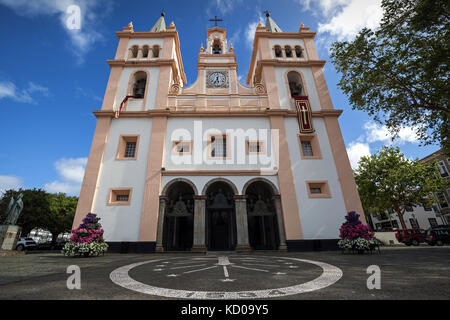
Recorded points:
25,244
58,245
438,235
411,236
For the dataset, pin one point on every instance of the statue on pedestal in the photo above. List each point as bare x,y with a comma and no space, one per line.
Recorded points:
14,210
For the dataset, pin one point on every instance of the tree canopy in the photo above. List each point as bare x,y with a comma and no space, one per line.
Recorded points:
53,212
389,181
399,73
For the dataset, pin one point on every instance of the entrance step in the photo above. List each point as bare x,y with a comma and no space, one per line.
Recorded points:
220,253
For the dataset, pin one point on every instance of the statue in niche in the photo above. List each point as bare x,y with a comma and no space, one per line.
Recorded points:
219,200
180,209
261,208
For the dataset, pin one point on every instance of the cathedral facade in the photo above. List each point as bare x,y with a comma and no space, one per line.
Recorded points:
218,165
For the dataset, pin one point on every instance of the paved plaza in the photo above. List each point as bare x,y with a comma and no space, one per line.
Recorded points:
406,273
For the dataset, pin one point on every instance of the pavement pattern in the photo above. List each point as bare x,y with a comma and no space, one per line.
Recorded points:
406,273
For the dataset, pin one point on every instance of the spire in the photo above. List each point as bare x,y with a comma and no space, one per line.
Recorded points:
271,26
160,25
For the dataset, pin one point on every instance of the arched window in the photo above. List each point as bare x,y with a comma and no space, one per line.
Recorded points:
134,51
139,83
298,52
155,52
295,84
278,53
288,51
145,52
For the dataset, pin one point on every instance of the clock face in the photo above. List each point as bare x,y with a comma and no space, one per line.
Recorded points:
217,79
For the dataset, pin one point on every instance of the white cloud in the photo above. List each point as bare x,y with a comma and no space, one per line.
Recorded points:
80,92
235,38
83,39
376,132
343,19
10,182
63,187
224,6
71,172
71,169
355,151
326,7
9,90
251,29
352,18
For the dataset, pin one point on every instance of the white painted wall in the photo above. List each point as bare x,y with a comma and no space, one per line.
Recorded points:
136,105
420,215
186,128
320,218
121,223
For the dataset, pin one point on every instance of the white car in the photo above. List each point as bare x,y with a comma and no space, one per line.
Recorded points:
25,244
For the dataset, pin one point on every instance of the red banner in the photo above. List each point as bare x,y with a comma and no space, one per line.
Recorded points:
304,114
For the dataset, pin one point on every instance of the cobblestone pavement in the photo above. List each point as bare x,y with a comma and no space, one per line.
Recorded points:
406,273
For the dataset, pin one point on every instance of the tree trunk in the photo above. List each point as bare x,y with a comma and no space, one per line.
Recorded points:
400,216
54,237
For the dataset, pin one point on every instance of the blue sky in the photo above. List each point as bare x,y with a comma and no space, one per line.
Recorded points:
52,78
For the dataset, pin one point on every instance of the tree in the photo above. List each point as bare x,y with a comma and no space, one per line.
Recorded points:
62,213
399,73
389,181
53,212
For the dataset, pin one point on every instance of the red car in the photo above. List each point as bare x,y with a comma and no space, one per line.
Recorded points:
411,236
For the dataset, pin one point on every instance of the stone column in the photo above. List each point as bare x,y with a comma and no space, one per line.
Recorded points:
199,224
240,202
161,214
140,55
280,222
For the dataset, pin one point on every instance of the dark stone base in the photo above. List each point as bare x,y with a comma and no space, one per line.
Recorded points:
243,248
292,245
131,247
199,249
312,245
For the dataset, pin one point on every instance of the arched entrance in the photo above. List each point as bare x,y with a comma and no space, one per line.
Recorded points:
220,216
263,230
178,229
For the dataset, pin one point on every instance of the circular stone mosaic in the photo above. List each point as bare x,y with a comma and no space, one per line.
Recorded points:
224,277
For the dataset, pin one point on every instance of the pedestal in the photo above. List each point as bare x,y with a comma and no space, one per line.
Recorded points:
9,234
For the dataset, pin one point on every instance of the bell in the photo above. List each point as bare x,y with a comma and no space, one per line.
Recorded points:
140,92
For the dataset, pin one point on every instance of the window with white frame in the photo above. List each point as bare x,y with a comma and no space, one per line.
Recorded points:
414,224
442,201
433,222
442,169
